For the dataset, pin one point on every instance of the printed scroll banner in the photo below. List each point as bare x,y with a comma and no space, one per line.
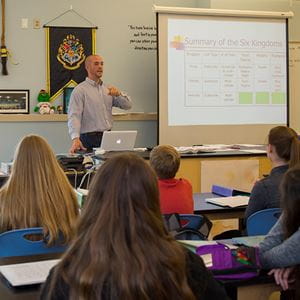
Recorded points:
67,48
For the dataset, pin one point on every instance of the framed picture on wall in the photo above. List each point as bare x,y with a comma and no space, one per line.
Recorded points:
14,101
67,94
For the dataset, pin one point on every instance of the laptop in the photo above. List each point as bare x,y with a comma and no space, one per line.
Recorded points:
118,140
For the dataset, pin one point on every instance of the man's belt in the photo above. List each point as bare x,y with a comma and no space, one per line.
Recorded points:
93,133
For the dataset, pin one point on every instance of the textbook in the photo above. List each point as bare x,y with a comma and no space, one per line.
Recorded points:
226,191
28,273
234,201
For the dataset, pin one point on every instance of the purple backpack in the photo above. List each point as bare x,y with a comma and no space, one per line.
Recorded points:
226,263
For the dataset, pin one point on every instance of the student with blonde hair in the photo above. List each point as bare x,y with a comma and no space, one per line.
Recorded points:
176,195
38,193
122,249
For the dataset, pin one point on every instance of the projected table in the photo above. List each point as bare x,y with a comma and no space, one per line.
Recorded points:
234,77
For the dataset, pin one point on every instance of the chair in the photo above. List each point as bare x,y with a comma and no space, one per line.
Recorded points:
262,221
14,243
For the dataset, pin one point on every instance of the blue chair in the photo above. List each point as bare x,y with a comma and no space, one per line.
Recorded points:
14,243
262,221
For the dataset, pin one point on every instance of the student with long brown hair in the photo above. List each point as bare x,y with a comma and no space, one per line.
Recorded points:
122,250
284,152
38,193
280,250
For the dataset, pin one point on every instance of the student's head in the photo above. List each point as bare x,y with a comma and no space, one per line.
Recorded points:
284,141
165,160
290,200
38,193
125,187
94,66
121,240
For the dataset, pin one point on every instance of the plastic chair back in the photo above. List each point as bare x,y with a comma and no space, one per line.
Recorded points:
14,243
262,221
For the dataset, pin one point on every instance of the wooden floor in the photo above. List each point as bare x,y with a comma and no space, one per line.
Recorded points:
220,226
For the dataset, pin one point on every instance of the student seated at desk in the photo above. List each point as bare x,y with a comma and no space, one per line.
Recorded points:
38,193
122,249
283,150
176,195
280,250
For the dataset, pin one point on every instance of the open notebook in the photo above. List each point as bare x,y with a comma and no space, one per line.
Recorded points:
28,273
234,201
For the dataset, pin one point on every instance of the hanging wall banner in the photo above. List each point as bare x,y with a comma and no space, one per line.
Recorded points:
67,48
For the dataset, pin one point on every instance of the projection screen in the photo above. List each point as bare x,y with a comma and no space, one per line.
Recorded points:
222,75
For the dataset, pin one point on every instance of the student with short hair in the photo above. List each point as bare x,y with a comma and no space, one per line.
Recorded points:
38,193
283,150
280,249
122,249
176,195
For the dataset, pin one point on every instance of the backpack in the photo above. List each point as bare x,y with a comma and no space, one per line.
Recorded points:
229,264
173,224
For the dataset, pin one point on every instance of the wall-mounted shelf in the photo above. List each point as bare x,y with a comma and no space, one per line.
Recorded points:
63,117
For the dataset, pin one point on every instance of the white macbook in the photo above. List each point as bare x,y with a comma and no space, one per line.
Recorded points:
118,140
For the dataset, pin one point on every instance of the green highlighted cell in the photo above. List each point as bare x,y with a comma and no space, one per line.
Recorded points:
278,98
245,98
262,98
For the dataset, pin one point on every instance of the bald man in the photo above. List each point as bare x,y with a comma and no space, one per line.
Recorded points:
90,108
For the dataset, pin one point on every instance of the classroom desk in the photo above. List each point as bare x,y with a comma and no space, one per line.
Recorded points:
3,178
7,292
190,164
259,288
216,212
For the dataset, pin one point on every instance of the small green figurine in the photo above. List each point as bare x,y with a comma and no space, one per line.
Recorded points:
44,105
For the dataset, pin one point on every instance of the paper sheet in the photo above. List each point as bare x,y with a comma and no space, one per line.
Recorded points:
234,201
254,151
28,273
251,241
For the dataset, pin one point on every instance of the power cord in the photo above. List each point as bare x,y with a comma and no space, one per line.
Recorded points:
88,173
75,177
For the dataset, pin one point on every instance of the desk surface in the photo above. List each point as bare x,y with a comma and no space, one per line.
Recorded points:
145,154
7,292
32,292
201,206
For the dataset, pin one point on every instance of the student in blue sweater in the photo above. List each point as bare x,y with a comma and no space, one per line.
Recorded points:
280,250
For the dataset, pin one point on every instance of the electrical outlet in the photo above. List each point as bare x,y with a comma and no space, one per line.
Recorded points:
24,23
36,23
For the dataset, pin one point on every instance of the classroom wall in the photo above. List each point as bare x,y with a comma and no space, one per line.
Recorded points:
134,71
